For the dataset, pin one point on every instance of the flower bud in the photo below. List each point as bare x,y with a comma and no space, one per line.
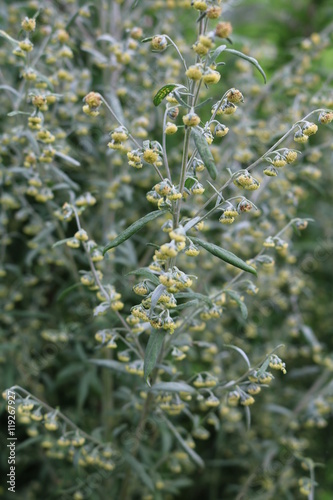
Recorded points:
309,128
28,24
223,30
235,96
191,120
170,128
326,117
159,42
199,5
290,156
194,72
211,77
300,137
173,113
270,171
214,12
221,130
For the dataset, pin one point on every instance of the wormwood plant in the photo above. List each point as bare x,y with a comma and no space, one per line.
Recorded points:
150,193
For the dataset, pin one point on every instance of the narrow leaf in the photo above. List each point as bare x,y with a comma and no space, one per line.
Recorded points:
216,54
204,151
153,350
3,34
134,228
235,296
252,60
241,352
14,113
144,272
67,291
172,387
248,417
60,242
141,471
191,453
193,295
155,296
224,255
190,303
190,181
68,159
109,363
106,37
163,92
148,39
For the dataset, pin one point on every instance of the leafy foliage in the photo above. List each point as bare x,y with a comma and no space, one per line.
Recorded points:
136,357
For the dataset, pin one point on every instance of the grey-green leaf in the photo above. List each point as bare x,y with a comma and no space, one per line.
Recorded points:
192,295
241,352
225,255
216,53
235,296
109,363
251,60
173,387
153,350
134,228
155,296
144,272
163,92
204,151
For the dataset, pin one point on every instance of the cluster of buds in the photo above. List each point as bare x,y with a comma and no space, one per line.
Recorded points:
171,404
231,212
54,336
228,215
228,105
118,137
204,380
246,181
213,312
135,368
150,153
159,317
39,101
35,121
175,280
280,159
277,364
260,378
45,136
302,135
275,242
203,45
107,338
92,104
28,24
163,193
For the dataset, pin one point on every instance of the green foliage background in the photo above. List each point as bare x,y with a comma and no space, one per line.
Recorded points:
294,310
